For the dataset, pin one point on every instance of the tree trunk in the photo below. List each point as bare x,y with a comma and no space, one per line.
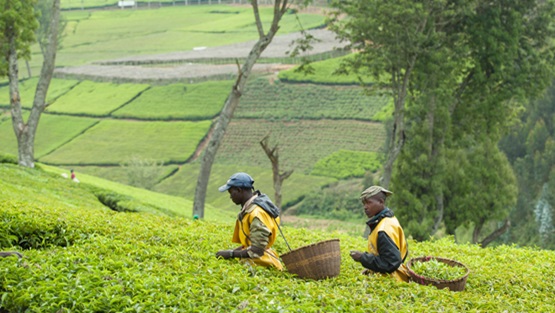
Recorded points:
495,234
232,101
25,132
477,230
278,177
397,137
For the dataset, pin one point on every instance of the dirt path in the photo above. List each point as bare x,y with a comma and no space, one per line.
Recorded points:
183,65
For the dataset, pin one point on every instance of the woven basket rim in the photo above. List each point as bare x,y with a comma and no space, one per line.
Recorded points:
310,245
434,280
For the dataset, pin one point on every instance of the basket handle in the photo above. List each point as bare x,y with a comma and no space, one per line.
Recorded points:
281,232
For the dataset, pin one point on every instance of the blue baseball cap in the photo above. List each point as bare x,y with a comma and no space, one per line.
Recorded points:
242,180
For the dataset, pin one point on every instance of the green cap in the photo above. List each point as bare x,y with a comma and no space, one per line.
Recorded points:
374,190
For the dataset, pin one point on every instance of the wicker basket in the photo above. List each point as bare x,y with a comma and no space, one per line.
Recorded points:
453,285
316,261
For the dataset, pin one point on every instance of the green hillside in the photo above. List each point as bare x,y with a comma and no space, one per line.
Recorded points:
80,256
94,127
101,35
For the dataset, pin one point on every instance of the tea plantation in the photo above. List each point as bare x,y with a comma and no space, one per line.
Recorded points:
81,256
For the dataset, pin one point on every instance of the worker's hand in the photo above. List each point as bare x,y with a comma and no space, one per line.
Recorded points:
226,254
356,255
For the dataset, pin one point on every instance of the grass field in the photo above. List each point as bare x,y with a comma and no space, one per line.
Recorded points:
324,73
112,142
301,142
307,101
191,102
97,35
183,183
53,132
96,99
27,89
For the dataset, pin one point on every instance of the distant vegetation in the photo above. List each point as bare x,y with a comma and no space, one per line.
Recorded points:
114,141
190,102
324,72
346,164
94,127
99,35
294,101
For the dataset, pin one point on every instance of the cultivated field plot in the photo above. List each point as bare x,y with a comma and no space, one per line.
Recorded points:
100,35
28,87
53,132
96,99
116,173
307,101
324,73
189,102
112,142
301,143
183,183
346,164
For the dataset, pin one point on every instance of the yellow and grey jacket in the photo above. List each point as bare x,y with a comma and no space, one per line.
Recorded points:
387,246
255,227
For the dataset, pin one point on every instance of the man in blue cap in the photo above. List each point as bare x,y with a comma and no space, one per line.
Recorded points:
257,223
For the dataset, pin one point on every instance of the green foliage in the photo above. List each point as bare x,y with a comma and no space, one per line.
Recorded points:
117,173
18,22
24,227
296,101
161,141
82,4
8,158
529,147
323,72
96,99
53,132
178,101
346,164
386,113
99,35
28,87
301,142
121,262
141,172
338,201
183,184
438,270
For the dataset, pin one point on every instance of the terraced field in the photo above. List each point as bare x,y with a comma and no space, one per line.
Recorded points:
101,115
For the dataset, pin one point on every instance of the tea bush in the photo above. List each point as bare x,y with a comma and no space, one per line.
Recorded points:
97,260
346,164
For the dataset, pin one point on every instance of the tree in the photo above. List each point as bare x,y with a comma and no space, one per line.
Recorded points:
531,149
19,21
468,66
232,101
278,177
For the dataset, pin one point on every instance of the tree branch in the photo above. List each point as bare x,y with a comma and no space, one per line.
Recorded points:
494,235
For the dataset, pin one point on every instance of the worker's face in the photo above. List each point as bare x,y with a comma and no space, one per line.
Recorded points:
236,195
372,206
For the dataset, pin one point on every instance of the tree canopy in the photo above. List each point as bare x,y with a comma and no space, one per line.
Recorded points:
459,71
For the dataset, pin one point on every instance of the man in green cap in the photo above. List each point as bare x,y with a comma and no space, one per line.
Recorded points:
387,245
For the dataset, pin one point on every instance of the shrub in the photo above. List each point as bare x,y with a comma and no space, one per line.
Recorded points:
142,172
8,158
346,164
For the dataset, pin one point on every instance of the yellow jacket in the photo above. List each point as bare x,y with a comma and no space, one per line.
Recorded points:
243,230
391,227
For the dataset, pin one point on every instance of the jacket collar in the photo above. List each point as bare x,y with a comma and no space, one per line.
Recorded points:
374,220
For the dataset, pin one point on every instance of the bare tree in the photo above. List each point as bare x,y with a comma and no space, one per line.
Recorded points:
264,39
273,155
25,132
